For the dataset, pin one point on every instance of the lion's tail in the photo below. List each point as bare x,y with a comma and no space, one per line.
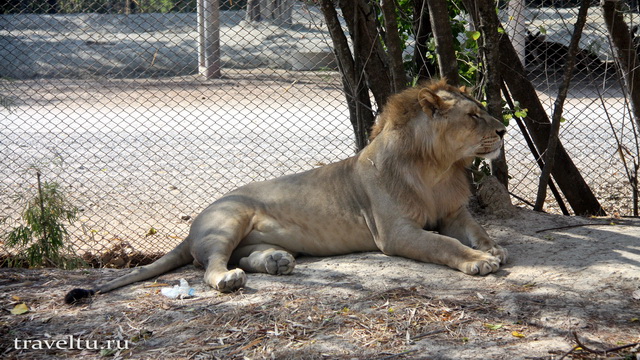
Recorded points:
176,258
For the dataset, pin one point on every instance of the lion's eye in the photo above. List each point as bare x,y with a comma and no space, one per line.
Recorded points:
474,116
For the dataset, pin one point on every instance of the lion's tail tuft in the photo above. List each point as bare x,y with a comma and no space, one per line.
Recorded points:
76,295
175,258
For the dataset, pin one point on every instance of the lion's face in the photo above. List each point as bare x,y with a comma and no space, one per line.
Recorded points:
460,124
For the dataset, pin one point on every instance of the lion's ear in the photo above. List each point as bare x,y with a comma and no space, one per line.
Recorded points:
463,89
430,102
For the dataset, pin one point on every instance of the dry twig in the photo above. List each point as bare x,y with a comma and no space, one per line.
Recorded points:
582,346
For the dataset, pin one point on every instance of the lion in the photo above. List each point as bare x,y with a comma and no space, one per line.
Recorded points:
405,194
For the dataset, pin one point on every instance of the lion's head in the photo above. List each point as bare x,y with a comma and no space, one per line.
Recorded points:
442,123
422,142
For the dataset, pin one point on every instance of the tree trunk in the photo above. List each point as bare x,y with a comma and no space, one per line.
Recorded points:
394,47
441,27
425,69
534,151
253,11
280,12
549,156
277,11
368,51
356,91
567,176
625,51
628,58
488,26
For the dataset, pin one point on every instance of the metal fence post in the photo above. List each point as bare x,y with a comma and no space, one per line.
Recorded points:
209,37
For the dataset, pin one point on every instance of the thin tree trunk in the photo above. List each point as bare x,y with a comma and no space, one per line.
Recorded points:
368,51
534,151
629,62
441,27
488,26
394,47
625,51
425,69
253,11
356,91
567,176
549,156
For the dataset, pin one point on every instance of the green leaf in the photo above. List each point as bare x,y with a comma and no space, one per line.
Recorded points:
521,113
493,326
152,231
107,352
475,35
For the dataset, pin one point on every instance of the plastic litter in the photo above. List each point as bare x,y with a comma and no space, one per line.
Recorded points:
179,291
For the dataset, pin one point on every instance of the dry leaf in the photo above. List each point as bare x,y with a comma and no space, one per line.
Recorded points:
517,334
20,309
15,298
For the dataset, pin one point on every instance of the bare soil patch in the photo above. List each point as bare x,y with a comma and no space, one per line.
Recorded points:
576,275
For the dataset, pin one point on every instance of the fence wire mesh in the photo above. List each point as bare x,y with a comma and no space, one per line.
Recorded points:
597,129
104,98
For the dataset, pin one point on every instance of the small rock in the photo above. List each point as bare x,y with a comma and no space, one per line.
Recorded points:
185,217
494,198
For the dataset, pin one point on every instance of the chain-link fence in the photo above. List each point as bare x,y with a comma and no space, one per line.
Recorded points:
111,106
597,129
105,98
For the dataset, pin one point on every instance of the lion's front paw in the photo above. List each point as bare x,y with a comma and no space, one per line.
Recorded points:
499,252
280,263
484,264
229,281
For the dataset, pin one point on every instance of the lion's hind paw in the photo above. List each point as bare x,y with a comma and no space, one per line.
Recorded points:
230,281
280,263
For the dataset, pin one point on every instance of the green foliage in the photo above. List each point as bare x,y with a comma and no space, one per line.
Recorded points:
41,238
480,169
465,42
508,114
404,10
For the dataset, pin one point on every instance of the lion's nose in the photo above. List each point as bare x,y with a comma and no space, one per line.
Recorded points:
501,133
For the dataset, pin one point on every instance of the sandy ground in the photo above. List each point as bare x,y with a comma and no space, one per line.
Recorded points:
565,275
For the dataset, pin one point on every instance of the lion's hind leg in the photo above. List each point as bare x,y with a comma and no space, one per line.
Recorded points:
264,258
217,232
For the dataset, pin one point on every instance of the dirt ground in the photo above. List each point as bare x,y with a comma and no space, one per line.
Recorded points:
566,276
